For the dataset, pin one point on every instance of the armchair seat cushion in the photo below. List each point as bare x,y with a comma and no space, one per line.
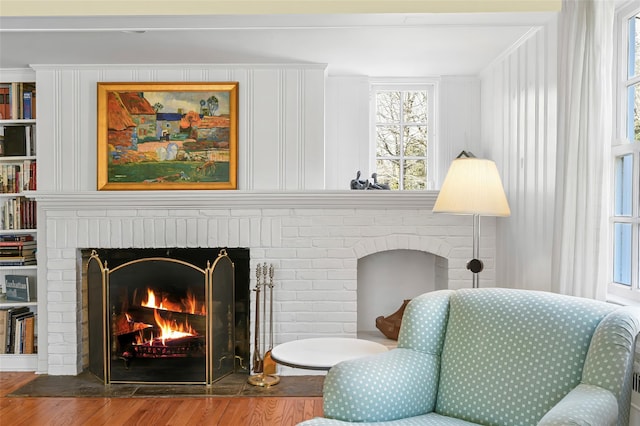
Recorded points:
431,419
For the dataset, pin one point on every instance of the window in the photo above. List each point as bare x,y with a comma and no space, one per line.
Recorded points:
625,217
403,135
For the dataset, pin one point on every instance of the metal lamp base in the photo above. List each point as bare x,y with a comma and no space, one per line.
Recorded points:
263,380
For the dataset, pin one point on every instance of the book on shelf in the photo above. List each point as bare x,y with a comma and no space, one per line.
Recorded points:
26,101
28,335
5,238
20,288
28,91
13,330
14,105
16,238
17,260
29,175
15,140
5,103
13,252
4,320
12,244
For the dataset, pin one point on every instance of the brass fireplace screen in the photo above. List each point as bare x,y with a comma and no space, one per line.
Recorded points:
163,320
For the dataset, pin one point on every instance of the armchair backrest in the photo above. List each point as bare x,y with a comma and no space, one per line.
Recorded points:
508,355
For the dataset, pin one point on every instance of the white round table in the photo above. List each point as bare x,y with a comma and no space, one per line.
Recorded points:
324,352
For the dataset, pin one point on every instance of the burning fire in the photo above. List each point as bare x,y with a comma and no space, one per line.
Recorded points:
188,304
171,330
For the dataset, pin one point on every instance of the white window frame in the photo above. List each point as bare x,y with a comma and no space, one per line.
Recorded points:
620,145
431,86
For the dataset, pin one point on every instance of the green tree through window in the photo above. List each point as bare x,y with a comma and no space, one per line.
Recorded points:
402,137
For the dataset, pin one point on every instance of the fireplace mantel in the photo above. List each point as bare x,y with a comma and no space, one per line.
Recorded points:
316,239
373,199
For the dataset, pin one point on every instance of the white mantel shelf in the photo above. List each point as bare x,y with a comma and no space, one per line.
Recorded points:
373,199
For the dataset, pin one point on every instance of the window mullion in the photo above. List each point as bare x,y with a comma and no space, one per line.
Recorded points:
625,230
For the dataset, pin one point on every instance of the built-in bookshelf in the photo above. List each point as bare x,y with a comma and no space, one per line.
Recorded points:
18,226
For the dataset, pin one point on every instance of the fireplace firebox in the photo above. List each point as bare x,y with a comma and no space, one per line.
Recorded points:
169,316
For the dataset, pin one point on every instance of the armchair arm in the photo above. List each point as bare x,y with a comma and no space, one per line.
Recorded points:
392,385
585,405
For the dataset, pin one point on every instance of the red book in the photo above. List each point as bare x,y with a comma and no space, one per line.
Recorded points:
32,177
31,243
5,105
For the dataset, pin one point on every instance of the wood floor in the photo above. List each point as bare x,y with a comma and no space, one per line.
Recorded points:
224,411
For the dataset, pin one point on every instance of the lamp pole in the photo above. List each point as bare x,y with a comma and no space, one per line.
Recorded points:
475,265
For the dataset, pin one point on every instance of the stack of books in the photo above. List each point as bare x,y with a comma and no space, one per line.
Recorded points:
17,250
18,331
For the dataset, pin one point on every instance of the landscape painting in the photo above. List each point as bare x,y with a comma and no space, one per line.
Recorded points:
167,136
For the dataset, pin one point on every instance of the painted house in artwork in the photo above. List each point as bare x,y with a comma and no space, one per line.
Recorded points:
121,125
141,113
168,123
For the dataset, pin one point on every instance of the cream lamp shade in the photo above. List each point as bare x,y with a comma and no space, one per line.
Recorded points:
472,186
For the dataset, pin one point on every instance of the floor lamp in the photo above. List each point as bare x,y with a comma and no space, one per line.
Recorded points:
473,187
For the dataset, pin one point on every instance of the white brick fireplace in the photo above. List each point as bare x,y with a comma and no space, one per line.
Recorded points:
313,238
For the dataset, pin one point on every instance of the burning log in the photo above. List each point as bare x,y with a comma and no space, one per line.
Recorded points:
186,347
124,324
160,334
148,316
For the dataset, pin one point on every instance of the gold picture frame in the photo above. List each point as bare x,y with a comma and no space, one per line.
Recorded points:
164,136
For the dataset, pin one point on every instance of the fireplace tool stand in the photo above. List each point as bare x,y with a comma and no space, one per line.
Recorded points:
263,365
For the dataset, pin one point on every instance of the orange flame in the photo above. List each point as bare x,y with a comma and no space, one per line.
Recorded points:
189,304
171,330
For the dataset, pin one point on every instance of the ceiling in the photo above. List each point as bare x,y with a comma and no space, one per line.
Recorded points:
371,44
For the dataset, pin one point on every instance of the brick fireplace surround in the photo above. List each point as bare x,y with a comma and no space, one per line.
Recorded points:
314,239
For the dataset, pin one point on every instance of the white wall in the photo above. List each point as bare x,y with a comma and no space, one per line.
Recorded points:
518,114
348,125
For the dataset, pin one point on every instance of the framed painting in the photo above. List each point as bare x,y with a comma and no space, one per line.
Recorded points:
167,136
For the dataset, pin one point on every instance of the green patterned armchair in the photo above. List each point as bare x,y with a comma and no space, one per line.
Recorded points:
493,357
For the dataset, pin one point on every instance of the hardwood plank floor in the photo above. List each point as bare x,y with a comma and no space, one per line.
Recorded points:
223,411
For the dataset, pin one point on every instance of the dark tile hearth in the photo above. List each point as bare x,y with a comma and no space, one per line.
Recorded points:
87,385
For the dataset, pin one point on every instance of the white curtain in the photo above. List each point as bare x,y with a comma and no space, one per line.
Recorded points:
585,105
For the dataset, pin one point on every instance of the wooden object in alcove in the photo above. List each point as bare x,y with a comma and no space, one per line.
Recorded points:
390,326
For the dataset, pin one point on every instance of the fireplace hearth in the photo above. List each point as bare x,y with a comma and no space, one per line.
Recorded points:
175,316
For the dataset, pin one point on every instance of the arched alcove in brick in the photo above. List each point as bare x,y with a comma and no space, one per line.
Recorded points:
394,268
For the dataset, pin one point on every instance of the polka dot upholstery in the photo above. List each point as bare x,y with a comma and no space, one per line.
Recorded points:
493,357
431,419
399,383
611,352
571,410
509,356
424,322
